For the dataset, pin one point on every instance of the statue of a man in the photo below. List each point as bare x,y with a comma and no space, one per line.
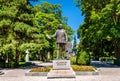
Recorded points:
62,39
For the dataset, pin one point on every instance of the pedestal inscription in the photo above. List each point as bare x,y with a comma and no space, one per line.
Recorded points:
61,69
61,64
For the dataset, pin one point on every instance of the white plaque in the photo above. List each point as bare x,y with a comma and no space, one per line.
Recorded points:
61,64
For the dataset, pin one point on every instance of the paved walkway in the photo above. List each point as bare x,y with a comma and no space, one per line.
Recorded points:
107,73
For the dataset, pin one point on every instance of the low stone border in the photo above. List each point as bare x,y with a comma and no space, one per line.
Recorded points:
28,73
36,73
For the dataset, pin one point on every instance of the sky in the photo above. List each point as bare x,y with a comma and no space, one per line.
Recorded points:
69,10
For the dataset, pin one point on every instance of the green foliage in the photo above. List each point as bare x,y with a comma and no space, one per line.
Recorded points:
14,26
74,45
107,58
24,64
83,58
73,60
100,30
23,26
117,62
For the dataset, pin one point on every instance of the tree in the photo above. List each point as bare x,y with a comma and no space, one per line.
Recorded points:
99,32
16,28
23,26
74,45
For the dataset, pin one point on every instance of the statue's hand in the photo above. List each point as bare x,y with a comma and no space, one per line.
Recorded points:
48,36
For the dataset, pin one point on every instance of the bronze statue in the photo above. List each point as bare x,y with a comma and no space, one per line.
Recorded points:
62,39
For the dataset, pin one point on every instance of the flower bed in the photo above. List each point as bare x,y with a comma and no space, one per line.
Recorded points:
41,69
76,68
79,70
82,68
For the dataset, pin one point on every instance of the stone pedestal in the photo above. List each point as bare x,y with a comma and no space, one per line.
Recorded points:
61,69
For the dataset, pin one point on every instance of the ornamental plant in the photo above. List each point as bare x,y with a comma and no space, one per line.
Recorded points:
41,69
82,68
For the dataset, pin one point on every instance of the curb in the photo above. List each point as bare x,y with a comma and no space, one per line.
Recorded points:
45,73
36,73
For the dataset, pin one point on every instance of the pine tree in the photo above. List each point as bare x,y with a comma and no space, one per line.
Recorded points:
74,45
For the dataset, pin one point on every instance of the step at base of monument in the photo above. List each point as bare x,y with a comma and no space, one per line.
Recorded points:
61,74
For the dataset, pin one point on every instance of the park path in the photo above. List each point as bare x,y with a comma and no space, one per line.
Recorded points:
107,72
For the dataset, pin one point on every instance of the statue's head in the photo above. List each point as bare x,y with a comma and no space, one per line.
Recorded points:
60,26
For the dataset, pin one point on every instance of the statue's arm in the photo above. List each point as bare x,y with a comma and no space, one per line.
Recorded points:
54,35
48,36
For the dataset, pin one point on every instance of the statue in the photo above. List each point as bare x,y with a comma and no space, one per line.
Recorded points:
62,39
27,56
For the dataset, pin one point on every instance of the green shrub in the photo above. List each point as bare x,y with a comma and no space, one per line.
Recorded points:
105,59
2,64
24,64
83,58
117,62
73,60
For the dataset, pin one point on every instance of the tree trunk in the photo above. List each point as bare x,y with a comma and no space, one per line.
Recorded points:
17,57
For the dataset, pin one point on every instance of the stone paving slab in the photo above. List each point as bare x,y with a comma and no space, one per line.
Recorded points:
14,72
12,77
110,71
78,78
98,78
106,74
32,79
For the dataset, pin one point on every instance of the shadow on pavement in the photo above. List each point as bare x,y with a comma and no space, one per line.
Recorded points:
99,64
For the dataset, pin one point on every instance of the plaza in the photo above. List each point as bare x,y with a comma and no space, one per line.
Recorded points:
107,72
